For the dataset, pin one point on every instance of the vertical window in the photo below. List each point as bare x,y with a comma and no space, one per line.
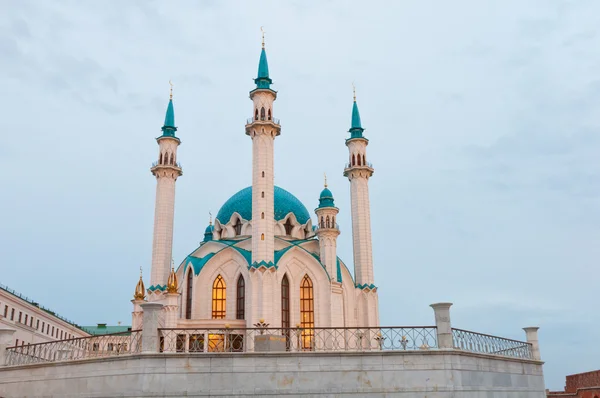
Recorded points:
256,114
285,309
262,236
12,314
263,174
364,163
307,313
31,322
5,310
262,113
322,222
160,159
262,194
188,297
218,298
288,227
37,324
353,160
240,299
26,316
327,222
238,227
358,159
269,113
52,331
262,215
20,316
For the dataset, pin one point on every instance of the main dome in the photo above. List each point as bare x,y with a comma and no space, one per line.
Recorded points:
241,203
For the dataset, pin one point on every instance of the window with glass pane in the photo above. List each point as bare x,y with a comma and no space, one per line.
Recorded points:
307,313
285,309
188,297
218,298
240,299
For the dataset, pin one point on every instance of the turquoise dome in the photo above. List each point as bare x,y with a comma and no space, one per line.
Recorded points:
326,198
241,203
208,233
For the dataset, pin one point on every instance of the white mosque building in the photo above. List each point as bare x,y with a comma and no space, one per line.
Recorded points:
263,260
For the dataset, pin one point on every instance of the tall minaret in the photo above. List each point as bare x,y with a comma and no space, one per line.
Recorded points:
358,172
166,170
327,231
263,128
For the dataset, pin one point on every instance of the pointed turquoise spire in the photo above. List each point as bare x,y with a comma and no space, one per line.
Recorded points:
169,128
263,80
356,129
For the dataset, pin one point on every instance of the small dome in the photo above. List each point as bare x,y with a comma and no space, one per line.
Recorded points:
208,233
326,198
241,203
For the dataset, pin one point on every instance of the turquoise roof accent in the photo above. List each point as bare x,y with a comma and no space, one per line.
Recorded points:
241,203
169,128
366,286
162,288
263,80
263,263
339,270
208,233
326,199
102,329
356,129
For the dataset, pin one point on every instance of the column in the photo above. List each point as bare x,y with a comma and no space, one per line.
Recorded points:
444,327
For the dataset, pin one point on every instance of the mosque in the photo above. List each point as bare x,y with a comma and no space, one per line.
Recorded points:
264,260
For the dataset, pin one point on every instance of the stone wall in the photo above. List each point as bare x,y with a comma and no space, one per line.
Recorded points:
431,374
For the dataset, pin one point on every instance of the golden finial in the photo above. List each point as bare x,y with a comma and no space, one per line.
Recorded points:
354,91
325,174
172,282
171,92
209,218
140,289
263,36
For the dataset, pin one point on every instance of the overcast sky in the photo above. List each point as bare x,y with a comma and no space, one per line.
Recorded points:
484,126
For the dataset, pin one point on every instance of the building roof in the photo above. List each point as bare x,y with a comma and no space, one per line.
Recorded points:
241,202
169,128
103,328
356,129
326,198
263,80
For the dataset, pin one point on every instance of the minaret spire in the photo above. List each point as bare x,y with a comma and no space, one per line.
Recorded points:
358,171
166,170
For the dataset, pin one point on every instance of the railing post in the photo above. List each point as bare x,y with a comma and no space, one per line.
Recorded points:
532,338
443,325
151,317
6,338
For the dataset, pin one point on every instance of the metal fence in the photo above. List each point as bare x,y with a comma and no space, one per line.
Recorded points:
486,344
78,348
297,339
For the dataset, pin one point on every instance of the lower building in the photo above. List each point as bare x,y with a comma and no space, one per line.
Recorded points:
580,385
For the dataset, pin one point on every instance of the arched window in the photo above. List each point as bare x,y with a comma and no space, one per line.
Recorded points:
327,222
333,222
188,297
288,227
307,313
256,114
364,163
171,160
353,160
262,236
262,194
238,227
269,114
358,160
218,298
322,222
285,309
263,174
240,299
262,113
262,215
160,159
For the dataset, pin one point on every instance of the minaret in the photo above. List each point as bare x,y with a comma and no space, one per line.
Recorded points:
327,231
139,296
166,170
263,128
358,171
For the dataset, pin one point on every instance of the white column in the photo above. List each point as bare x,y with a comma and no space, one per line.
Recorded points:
443,324
152,321
6,340
136,315
532,338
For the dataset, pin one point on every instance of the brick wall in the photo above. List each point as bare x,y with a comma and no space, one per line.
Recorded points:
581,385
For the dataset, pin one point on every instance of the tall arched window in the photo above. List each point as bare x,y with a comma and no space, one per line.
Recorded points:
160,159
188,297
238,227
285,309
240,299
218,298
262,113
353,160
307,313
358,160
364,162
262,215
288,227
262,194
263,174
256,114
327,222
269,114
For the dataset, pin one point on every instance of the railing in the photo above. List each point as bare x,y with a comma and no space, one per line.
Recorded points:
486,344
251,120
106,345
366,164
297,339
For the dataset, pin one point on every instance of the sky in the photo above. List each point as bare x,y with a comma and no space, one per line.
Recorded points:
483,120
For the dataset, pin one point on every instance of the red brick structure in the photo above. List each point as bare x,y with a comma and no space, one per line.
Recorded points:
581,385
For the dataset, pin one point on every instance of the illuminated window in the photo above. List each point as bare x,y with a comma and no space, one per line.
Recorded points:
188,304
262,236
307,313
240,299
218,298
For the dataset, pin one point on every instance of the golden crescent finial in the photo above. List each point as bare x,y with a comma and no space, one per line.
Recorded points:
325,175
354,91
171,92
263,36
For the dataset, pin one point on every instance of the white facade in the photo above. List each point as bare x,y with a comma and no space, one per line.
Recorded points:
263,261
31,323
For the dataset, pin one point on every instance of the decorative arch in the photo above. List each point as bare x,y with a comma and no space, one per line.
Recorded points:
364,162
358,159
327,224
219,298
240,305
353,160
189,292
160,158
269,114
262,113
256,114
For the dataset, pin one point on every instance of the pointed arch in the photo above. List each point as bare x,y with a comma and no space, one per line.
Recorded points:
358,159
237,227
160,159
364,162
353,160
219,298
307,312
269,114
327,222
240,305
333,222
256,114
189,292
262,113
288,226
